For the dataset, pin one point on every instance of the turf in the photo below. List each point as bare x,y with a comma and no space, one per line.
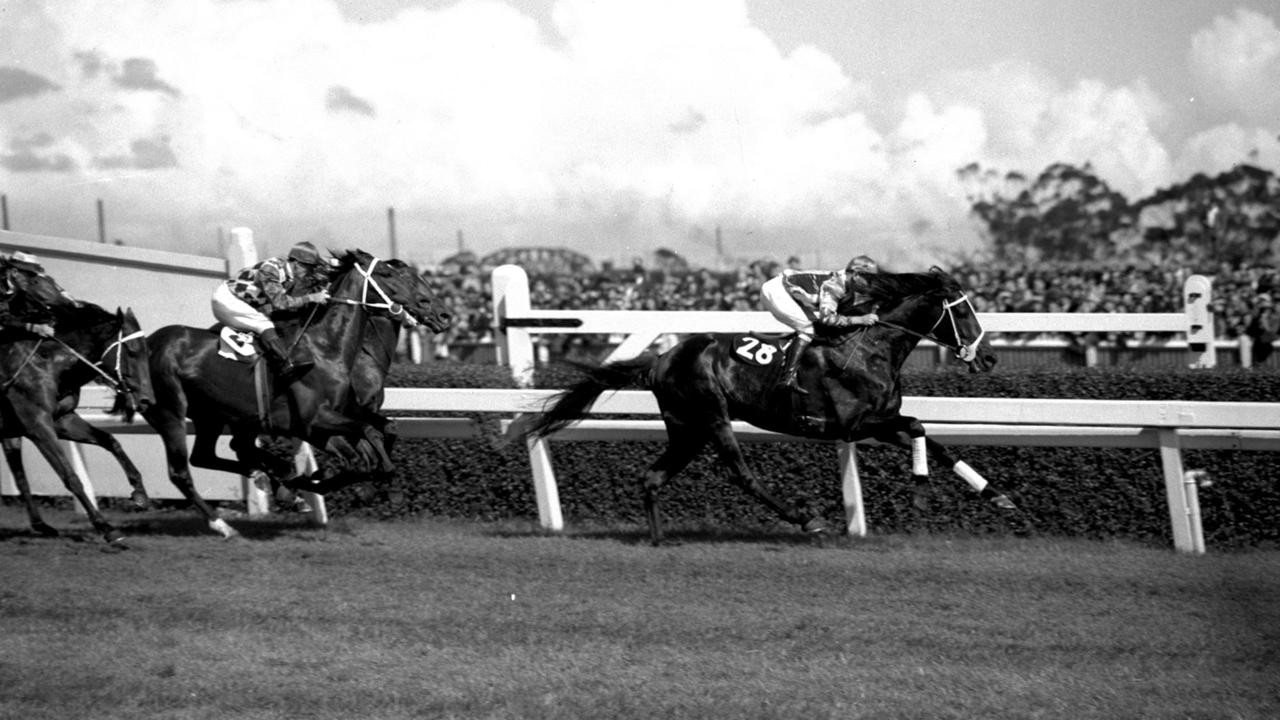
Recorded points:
453,620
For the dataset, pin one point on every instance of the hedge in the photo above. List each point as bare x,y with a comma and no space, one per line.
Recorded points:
1081,492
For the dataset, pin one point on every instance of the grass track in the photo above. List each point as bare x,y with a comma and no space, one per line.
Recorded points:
451,620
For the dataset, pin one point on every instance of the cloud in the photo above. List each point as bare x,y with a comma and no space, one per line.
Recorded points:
619,126
36,153
142,74
341,99
1236,65
145,154
17,83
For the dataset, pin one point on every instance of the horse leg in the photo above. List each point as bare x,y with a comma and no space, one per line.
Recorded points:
908,432
682,447
13,455
42,435
743,477
988,492
74,428
173,432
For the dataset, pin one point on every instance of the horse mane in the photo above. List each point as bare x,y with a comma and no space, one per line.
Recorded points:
84,315
887,286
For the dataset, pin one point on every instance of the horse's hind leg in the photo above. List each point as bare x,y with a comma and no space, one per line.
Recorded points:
74,428
731,455
43,437
13,455
683,446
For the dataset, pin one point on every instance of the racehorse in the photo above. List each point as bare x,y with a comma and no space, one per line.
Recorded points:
42,390
853,379
219,395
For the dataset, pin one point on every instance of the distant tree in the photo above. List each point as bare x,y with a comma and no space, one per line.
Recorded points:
1066,213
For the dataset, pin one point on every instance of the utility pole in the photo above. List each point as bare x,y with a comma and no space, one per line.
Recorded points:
4,212
719,249
461,246
102,223
391,230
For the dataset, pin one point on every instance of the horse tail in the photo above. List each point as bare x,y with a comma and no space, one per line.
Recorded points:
573,403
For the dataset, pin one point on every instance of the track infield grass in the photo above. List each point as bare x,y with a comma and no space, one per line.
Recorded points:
440,619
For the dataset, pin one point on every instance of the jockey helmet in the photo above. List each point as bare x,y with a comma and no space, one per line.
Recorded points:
862,263
26,261
306,254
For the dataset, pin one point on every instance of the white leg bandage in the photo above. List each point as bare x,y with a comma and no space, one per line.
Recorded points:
970,475
919,457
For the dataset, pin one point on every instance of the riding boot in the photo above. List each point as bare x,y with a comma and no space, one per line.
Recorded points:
794,352
285,369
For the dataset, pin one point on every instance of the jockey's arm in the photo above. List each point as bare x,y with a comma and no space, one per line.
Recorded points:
272,283
830,295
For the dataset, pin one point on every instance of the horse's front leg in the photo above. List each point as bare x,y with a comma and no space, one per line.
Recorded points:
74,428
173,432
13,455
908,432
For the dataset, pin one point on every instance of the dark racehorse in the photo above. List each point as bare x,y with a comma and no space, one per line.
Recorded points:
852,377
220,396
43,377
368,383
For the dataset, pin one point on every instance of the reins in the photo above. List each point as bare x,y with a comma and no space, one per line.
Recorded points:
117,383
394,308
960,350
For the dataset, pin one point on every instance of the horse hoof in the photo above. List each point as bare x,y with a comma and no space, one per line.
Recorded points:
815,527
140,500
1003,502
44,530
114,537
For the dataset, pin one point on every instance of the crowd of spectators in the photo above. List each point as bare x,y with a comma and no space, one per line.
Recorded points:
1239,293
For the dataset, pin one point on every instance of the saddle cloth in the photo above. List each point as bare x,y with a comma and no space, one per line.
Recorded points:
236,345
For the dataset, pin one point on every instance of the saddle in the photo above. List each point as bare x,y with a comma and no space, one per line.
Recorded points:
242,347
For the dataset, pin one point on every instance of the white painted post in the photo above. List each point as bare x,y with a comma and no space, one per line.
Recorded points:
1185,526
515,349
77,465
851,487
304,462
1197,291
514,345
1191,489
241,253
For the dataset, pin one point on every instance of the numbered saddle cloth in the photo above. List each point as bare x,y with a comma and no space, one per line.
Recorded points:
236,345
761,349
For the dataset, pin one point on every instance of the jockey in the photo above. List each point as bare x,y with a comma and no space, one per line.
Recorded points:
802,298
245,301
33,321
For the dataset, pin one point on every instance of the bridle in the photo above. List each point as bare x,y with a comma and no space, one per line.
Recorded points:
967,352
393,308
117,381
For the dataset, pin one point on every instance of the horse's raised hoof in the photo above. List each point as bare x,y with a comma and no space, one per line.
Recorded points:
114,537
1003,502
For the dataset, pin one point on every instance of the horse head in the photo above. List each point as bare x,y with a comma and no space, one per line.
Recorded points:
30,283
128,359
389,286
934,306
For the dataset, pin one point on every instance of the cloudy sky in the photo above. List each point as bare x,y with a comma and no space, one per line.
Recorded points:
823,128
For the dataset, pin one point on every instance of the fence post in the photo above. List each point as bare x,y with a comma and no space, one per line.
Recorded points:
78,466
1185,523
851,488
1197,291
514,346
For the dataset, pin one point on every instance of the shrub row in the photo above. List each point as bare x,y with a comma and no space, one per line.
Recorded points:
1098,493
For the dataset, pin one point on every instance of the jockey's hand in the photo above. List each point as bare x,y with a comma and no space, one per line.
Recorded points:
40,329
320,296
870,319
